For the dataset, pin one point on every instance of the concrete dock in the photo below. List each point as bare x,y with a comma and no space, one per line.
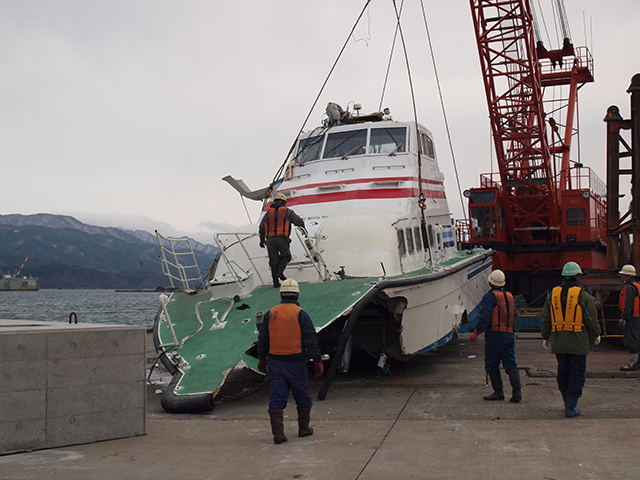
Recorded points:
427,420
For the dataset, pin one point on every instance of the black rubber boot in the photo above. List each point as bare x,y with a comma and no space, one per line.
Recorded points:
496,383
571,407
277,426
514,378
304,417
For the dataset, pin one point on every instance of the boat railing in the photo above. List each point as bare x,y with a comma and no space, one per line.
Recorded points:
232,266
313,254
176,255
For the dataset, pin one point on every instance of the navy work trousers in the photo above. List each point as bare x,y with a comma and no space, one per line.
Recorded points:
571,370
285,377
499,346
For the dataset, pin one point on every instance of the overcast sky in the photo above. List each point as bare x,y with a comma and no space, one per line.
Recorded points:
128,113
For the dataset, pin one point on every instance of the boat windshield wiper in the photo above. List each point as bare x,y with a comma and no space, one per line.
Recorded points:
344,157
393,152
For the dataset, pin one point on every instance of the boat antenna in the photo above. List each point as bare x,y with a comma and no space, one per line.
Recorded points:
286,160
444,113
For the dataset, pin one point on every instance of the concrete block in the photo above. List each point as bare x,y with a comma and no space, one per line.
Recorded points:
16,435
23,406
66,385
25,375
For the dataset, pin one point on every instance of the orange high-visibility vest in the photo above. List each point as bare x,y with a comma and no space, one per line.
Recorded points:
277,224
636,301
571,319
504,313
285,335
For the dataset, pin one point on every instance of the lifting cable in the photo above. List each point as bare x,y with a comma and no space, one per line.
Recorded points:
282,167
444,113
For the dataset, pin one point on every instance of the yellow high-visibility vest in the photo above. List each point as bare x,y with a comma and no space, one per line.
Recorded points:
571,319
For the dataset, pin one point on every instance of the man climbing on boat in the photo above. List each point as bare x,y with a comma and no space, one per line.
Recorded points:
497,316
274,230
285,338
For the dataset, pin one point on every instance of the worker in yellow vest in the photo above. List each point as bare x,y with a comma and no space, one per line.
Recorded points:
630,320
570,320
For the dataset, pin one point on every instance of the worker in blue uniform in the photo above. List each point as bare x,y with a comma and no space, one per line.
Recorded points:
630,320
285,340
497,317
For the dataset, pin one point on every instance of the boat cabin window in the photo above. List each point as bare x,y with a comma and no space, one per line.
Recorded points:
309,149
410,244
401,245
418,238
388,140
576,216
426,145
482,197
343,144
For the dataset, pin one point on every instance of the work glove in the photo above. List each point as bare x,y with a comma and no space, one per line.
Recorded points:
262,244
597,340
262,365
545,344
474,336
621,324
318,368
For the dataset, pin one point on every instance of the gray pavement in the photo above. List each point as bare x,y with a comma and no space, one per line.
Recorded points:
426,420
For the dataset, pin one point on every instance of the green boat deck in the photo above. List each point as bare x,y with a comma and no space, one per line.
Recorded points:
210,354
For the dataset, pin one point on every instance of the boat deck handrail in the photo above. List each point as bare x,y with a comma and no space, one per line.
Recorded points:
172,264
240,241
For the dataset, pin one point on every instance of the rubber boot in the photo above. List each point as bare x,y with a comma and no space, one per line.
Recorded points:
274,277
571,407
304,416
633,363
514,378
277,426
496,383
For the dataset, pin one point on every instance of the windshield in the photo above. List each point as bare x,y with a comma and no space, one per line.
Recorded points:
343,144
309,149
388,140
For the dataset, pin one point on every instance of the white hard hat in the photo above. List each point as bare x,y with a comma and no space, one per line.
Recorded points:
280,196
628,270
497,278
289,286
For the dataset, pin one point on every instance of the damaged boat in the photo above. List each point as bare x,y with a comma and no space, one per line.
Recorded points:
378,265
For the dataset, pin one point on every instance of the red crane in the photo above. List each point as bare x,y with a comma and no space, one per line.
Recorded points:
541,209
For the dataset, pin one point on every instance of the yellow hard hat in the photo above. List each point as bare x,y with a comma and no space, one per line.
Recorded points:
289,286
280,196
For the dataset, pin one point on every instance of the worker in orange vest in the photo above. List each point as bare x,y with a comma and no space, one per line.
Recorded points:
497,316
285,339
630,320
275,229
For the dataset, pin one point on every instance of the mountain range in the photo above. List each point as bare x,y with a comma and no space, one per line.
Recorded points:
66,253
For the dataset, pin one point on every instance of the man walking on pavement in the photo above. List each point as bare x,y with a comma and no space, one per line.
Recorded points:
285,338
569,319
630,321
497,316
275,229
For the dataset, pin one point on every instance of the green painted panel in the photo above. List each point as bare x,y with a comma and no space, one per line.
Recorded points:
212,353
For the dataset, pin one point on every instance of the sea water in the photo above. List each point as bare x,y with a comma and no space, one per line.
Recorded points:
90,306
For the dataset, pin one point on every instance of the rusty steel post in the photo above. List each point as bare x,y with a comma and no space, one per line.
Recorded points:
613,120
634,90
